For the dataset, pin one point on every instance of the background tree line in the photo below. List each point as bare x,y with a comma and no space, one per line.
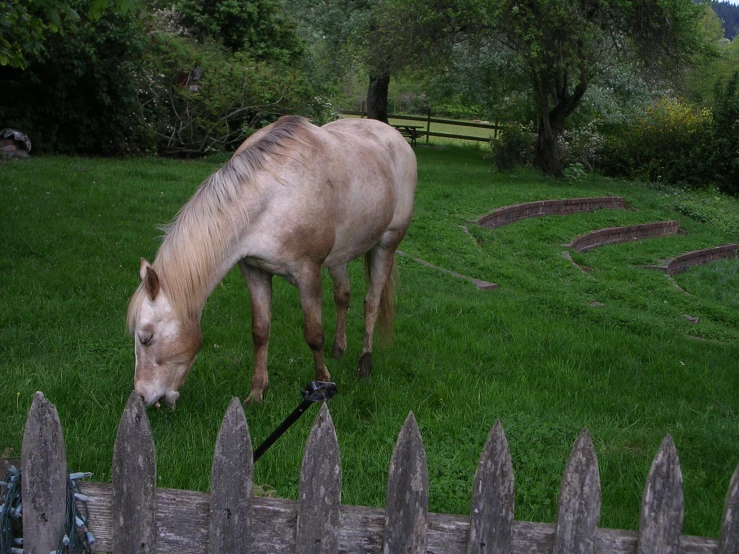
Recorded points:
574,81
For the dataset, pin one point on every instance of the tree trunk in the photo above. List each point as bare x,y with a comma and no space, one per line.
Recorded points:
547,153
552,122
377,97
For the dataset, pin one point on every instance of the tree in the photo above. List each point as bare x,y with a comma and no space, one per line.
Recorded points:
78,94
254,26
384,37
347,34
563,45
25,25
702,80
729,14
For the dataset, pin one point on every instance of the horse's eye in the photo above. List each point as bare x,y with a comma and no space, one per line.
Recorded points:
146,339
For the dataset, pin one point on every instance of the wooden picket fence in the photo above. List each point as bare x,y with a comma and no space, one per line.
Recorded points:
132,515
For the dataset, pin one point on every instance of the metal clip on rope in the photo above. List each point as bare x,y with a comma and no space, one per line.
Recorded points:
315,391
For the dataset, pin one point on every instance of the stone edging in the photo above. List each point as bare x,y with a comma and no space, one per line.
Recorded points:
517,212
615,235
696,257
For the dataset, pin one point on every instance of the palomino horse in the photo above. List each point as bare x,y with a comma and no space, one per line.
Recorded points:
292,199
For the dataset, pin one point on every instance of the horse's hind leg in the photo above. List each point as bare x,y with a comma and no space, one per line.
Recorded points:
310,289
380,261
340,276
260,290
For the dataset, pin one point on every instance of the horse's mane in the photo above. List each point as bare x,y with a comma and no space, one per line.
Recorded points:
199,237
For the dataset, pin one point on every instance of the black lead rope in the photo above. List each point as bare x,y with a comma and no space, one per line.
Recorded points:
316,391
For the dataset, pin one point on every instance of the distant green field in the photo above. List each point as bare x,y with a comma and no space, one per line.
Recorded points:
449,129
551,351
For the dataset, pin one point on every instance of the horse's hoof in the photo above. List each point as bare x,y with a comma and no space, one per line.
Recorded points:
337,352
365,365
324,376
254,398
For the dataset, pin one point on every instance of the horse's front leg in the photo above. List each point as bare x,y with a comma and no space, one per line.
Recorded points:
308,281
340,276
260,290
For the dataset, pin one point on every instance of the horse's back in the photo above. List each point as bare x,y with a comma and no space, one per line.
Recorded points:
327,193
379,147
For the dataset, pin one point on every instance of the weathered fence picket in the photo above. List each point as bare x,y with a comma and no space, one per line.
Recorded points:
43,477
407,493
661,518
729,538
134,482
579,501
491,514
320,490
231,480
132,515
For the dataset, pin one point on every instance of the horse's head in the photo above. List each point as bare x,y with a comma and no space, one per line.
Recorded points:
166,346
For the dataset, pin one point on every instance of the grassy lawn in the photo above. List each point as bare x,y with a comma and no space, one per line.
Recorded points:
553,350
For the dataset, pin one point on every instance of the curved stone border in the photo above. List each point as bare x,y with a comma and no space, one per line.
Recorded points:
615,235
697,257
511,214
482,285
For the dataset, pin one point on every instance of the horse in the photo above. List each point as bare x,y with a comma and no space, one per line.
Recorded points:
293,198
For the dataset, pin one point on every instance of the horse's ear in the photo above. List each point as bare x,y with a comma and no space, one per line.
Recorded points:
149,278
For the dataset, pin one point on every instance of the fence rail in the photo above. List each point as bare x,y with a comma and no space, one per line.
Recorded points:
133,515
431,120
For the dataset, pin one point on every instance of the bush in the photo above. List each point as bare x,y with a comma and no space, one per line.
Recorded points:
725,160
515,147
78,96
580,147
671,142
198,97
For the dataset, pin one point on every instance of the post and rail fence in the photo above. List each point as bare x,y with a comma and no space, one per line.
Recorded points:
428,132
132,515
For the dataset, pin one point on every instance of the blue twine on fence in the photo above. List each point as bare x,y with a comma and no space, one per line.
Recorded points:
74,536
11,511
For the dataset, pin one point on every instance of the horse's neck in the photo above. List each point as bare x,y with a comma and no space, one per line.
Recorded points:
229,260
192,294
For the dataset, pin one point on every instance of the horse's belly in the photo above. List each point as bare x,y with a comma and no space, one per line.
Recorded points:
357,237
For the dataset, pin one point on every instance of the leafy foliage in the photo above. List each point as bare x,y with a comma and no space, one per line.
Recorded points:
726,136
24,26
669,143
234,96
562,47
729,14
256,27
78,95
514,148
677,143
138,82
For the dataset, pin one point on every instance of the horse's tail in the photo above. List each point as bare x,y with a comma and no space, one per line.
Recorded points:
387,299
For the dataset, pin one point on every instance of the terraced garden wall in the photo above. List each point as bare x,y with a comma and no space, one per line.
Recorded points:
541,208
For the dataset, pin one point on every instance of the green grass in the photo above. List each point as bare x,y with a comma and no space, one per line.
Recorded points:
552,351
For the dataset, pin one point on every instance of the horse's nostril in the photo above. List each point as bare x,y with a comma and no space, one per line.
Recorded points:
148,401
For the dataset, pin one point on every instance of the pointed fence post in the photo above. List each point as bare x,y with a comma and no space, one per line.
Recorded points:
578,507
43,478
491,513
661,519
134,482
407,494
231,480
729,538
320,490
